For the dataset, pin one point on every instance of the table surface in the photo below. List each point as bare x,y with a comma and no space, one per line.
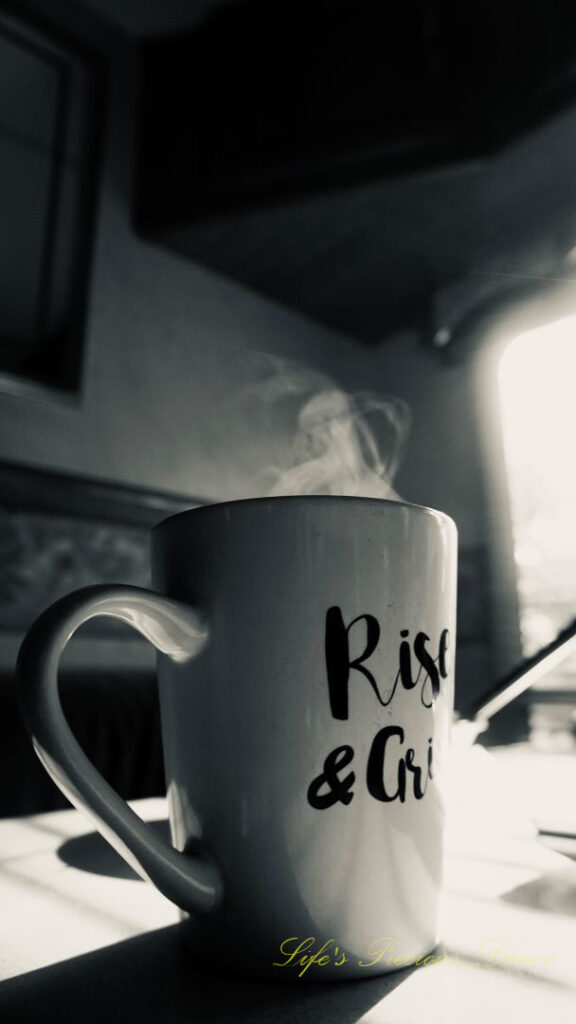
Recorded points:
82,939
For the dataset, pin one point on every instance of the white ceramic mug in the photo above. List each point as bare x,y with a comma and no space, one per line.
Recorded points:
306,690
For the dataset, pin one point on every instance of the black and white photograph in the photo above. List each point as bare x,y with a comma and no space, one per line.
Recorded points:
287,512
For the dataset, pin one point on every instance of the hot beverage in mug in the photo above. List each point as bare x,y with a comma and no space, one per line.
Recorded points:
306,692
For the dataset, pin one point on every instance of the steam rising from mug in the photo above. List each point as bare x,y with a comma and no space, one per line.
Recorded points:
336,450
344,444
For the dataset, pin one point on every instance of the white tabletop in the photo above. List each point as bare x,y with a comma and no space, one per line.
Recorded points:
82,939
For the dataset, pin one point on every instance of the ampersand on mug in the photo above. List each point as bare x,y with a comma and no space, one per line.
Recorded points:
328,788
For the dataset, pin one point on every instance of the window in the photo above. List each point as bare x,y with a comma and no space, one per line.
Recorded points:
537,385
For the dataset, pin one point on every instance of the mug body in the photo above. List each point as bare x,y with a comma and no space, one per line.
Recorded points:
305,746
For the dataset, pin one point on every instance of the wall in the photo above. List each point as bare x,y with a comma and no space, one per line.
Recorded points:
170,351
442,465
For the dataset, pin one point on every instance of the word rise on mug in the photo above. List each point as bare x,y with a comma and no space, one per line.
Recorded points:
419,671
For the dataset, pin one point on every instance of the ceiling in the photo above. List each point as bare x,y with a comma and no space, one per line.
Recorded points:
140,18
375,169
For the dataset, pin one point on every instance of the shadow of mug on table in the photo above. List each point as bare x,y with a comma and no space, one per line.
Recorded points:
90,852
306,693
150,978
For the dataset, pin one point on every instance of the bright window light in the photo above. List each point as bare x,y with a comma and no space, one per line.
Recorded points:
537,384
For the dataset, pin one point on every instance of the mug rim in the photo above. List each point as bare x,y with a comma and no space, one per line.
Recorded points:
307,499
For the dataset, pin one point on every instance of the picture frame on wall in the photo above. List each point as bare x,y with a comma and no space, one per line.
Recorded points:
60,532
51,114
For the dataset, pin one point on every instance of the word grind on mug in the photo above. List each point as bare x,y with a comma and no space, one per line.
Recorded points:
419,671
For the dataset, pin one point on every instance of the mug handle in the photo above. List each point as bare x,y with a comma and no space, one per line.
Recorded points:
191,880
